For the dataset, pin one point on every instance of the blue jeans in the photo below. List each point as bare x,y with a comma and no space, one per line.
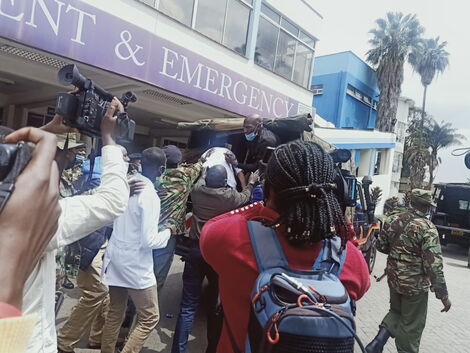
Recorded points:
162,260
195,270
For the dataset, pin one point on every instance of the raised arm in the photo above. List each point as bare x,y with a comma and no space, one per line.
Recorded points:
82,215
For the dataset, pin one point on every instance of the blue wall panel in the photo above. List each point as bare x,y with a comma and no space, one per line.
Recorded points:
335,72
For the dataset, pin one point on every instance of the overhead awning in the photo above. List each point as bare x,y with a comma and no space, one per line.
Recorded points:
357,139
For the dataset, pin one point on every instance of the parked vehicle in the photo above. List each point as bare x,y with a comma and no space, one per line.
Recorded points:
452,215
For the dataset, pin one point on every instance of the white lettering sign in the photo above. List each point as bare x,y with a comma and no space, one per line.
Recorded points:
18,17
179,67
54,24
81,18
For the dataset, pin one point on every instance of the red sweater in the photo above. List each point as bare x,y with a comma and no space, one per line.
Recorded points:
226,246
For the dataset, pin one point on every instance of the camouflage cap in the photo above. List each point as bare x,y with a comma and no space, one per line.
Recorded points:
72,143
423,197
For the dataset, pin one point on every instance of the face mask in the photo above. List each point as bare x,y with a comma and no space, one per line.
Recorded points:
126,167
251,137
157,183
79,159
139,169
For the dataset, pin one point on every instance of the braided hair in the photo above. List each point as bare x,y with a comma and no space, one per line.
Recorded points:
301,175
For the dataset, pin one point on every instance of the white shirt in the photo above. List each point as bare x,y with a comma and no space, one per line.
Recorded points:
218,157
128,260
81,215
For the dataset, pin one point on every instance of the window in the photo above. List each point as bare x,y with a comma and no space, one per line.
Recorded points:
400,130
266,44
270,13
38,120
364,98
180,10
284,61
236,26
317,89
178,144
210,18
378,161
464,205
152,3
397,162
225,21
303,64
284,48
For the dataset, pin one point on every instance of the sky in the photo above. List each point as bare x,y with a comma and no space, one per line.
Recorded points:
346,24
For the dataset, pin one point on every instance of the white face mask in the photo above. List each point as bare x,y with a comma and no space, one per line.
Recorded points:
126,167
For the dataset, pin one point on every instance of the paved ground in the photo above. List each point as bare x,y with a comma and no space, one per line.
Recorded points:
445,332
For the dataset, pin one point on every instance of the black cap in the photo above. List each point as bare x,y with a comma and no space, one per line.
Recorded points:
135,156
173,154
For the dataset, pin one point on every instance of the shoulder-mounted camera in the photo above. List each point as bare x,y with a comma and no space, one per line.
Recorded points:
84,109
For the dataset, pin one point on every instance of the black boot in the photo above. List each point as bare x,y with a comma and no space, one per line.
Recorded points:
378,343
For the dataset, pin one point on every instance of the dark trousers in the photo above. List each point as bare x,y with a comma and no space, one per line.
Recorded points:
162,260
195,270
406,320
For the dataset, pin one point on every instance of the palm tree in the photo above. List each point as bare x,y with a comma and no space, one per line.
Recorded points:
438,136
415,158
393,39
428,58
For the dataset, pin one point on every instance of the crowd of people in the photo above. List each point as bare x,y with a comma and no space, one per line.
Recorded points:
117,220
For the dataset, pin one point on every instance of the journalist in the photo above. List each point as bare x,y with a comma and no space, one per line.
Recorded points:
80,216
28,222
300,221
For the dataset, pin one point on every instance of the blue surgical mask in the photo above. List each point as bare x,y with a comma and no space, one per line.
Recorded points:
157,183
79,159
139,169
251,137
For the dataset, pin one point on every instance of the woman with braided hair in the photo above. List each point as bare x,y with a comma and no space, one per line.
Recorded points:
302,207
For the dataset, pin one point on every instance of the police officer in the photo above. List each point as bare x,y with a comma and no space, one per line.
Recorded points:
414,265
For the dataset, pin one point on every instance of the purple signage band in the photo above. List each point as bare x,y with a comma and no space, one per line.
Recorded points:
81,32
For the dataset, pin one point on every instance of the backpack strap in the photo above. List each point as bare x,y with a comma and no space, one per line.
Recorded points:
331,257
266,246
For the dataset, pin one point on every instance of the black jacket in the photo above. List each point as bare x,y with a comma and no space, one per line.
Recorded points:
257,149
91,244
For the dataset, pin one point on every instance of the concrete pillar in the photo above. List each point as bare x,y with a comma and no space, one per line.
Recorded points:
253,30
364,162
9,115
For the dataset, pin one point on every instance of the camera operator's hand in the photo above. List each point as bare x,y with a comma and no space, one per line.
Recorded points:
30,217
57,126
108,123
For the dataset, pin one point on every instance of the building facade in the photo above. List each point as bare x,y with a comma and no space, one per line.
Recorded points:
345,91
346,96
186,60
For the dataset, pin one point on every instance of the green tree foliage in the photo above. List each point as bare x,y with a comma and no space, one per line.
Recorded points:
393,39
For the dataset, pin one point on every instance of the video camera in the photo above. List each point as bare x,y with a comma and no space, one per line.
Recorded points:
85,108
345,181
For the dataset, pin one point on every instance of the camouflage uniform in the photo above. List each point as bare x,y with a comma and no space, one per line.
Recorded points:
173,189
66,257
414,266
